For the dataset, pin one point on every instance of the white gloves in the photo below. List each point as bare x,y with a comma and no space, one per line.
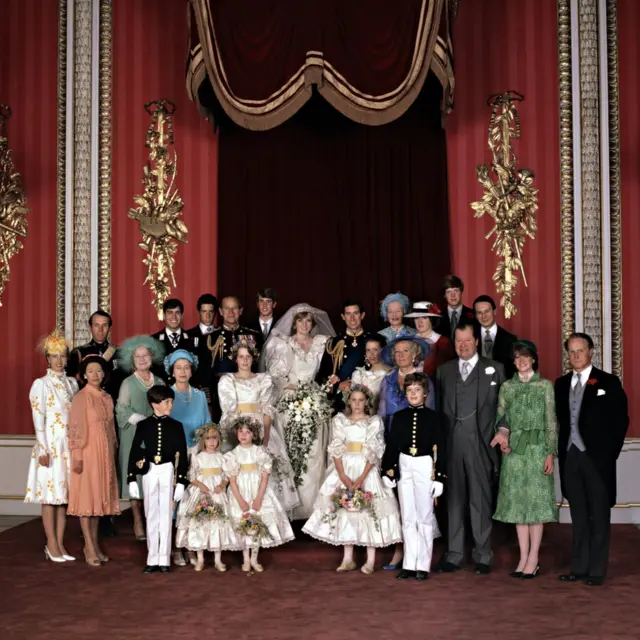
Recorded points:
436,489
134,492
388,482
135,418
178,493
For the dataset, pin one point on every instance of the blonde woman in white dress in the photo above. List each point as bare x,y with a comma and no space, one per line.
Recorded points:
206,479
245,393
356,448
248,467
374,371
292,357
50,466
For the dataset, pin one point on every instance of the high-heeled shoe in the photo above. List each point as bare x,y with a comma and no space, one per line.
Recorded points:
515,574
530,576
92,562
103,557
48,555
394,566
67,557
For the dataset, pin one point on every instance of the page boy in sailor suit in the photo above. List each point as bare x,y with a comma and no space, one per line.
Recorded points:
159,454
415,458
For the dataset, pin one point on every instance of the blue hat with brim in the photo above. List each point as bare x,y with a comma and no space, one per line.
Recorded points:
180,354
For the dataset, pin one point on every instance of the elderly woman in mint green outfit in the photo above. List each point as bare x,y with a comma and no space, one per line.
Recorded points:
137,354
526,497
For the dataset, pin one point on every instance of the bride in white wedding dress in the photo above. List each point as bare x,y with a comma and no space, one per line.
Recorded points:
292,357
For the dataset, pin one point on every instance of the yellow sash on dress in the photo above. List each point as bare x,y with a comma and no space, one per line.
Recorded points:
248,408
249,467
211,471
354,447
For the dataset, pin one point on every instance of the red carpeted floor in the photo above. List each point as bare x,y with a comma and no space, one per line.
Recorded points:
300,596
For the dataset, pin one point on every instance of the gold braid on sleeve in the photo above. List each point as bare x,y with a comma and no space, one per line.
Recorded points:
336,353
217,350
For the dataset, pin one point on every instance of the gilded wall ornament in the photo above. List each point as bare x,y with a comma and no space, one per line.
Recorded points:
13,209
509,197
159,208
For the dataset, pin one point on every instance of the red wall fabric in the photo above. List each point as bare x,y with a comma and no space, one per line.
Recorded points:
501,45
149,51
628,56
28,73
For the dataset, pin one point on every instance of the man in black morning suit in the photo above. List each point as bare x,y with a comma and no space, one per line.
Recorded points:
593,420
172,335
494,342
263,322
207,307
454,313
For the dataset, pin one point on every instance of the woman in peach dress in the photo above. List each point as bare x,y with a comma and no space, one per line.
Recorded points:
93,491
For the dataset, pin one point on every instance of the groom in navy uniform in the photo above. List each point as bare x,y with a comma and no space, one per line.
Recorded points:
593,419
344,353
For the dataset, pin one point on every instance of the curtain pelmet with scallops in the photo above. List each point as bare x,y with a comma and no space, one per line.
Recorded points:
259,61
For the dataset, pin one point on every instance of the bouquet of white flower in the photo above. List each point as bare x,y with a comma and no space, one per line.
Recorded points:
304,410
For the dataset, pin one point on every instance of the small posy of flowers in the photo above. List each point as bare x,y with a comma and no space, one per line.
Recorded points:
353,500
251,525
304,409
592,381
206,509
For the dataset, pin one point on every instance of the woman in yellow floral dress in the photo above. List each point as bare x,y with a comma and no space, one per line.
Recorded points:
48,479
526,497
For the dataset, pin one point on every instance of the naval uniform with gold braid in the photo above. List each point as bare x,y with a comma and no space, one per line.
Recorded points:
409,459
157,441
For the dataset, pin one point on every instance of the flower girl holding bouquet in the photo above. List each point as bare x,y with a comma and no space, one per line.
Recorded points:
203,516
259,518
354,507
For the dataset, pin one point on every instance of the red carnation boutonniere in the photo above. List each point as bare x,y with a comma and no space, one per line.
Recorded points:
592,381
434,308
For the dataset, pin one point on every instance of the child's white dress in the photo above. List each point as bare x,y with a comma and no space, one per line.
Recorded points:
356,444
206,535
247,465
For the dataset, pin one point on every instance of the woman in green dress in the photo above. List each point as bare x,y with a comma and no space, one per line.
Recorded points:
137,354
526,496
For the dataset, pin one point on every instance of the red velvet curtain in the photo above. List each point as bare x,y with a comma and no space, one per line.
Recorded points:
628,55
322,208
28,84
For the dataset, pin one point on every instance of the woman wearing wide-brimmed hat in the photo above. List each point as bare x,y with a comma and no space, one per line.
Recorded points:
426,316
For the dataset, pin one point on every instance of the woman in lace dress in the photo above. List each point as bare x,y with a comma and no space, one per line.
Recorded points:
137,354
48,479
526,497
292,357
93,491
245,393
356,448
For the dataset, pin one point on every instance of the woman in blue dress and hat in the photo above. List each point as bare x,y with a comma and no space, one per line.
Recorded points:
404,354
392,310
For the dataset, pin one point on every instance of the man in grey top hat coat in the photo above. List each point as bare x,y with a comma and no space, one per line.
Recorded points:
467,396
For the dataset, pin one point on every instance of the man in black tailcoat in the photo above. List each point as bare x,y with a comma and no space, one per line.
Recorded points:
593,420
207,307
454,313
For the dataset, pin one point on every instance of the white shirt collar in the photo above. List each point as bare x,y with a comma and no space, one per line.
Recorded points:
492,332
473,361
171,332
267,322
458,309
583,375
204,329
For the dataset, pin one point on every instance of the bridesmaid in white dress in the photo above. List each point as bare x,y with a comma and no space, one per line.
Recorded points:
48,479
245,393
356,448
292,356
374,371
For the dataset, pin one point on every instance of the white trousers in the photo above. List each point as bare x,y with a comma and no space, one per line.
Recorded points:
416,505
157,485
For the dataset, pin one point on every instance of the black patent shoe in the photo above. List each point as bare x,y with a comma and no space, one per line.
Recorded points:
150,569
164,569
422,575
515,574
531,576
404,574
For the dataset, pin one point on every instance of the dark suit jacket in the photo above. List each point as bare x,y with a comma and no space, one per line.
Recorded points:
199,340
185,342
502,349
466,316
488,388
254,324
603,423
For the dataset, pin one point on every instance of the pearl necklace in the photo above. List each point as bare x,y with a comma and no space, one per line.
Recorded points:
408,373
145,384
181,395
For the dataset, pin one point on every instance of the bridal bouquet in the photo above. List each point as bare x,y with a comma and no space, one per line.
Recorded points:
354,500
251,525
304,409
206,509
